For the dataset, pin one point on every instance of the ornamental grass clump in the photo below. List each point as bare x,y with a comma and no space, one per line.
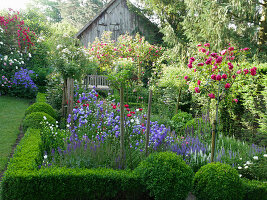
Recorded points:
218,181
166,176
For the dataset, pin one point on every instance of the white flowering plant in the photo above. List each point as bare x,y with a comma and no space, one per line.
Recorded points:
52,137
254,169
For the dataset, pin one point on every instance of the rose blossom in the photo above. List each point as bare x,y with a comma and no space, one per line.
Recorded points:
211,95
253,71
224,76
219,59
227,85
218,77
223,52
190,65
197,89
213,76
231,66
192,59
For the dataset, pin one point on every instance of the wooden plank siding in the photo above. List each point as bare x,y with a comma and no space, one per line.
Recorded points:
117,18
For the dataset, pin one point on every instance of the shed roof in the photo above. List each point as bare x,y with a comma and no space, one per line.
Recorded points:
92,20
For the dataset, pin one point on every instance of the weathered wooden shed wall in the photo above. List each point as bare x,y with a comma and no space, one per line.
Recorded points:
117,18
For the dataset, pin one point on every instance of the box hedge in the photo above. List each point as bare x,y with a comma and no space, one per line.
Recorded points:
41,97
255,190
24,180
166,176
34,119
41,107
218,181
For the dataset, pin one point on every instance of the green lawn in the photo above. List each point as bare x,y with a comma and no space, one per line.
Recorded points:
11,114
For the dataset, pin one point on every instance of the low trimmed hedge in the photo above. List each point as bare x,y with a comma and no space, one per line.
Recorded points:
41,98
23,179
34,119
41,107
255,190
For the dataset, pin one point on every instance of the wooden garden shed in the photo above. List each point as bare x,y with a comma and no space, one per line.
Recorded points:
119,17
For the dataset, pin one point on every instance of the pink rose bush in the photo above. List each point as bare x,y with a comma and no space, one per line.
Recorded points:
217,71
220,75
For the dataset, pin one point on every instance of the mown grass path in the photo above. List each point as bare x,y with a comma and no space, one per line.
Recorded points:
11,114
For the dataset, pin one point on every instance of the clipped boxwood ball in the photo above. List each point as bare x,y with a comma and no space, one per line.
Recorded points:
34,119
41,107
217,181
166,176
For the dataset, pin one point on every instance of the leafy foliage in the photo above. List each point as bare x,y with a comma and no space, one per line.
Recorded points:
255,190
166,176
41,107
179,121
218,181
34,119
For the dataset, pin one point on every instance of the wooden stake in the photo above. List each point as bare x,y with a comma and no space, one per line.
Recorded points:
148,121
122,146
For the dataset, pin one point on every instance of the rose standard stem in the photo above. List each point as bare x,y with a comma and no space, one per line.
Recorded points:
214,126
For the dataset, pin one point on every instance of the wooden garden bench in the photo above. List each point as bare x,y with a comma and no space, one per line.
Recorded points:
97,81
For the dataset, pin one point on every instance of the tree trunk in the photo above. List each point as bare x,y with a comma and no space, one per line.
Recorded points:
70,93
148,121
122,146
263,27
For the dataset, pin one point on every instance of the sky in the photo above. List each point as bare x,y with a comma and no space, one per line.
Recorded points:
14,4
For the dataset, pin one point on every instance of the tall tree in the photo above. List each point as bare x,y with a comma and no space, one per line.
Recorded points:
187,22
75,12
50,8
79,12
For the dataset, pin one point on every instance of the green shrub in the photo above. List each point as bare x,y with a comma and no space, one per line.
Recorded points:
178,122
255,190
23,179
34,119
27,153
218,181
41,98
41,107
166,176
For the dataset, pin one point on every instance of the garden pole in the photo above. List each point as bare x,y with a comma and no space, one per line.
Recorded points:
178,100
148,121
122,147
64,99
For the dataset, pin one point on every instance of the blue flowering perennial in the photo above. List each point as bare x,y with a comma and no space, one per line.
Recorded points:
22,77
95,128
